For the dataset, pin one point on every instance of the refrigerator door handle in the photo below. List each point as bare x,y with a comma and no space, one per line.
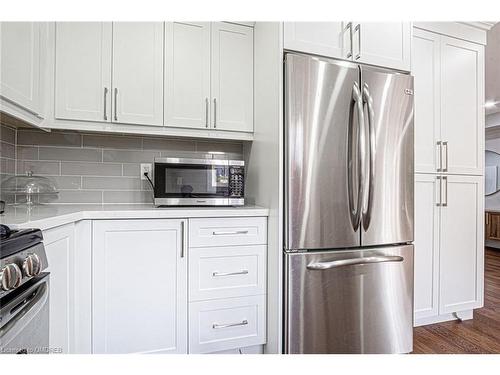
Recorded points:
354,262
355,211
368,200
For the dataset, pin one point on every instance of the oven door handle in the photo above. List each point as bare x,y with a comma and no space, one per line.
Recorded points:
25,309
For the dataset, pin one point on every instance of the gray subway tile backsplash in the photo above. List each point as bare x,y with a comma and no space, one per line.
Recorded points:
112,183
90,169
54,138
96,168
126,156
7,134
110,141
70,154
39,167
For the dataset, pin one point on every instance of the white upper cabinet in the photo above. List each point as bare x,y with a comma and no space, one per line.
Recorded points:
83,71
449,95
21,64
232,77
139,286
426,71
462,100
386,44
138,73
187,74
319,38
461,257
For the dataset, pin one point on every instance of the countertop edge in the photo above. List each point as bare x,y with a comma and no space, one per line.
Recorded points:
49,222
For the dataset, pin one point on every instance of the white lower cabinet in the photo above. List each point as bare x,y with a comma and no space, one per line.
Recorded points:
449,249
139,286
122,286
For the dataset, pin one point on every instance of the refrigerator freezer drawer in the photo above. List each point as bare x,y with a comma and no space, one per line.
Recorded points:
357,301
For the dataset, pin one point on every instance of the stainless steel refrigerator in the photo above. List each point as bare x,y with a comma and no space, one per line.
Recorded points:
348,207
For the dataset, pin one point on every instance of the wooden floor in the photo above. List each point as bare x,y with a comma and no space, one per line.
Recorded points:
479,335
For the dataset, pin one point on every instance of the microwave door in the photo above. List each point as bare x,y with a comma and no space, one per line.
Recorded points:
322,110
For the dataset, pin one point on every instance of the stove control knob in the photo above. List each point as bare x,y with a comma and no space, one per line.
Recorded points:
32,265
10,277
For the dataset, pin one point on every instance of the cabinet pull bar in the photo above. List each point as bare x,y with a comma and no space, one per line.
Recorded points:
182,239
116,104
206,112
440,156
445,146
215,113
445,203
227,233
219,326
358,29
440,200
105,104
349,27
217,274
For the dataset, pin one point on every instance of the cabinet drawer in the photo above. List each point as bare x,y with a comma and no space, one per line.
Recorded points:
227,324
227,231
222,272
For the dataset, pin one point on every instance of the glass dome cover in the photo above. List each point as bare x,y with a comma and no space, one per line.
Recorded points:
28,185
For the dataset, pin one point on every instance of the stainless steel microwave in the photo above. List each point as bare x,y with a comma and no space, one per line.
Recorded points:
198,182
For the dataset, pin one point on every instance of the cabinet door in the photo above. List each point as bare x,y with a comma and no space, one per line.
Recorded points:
462,112
426,72
385,44
232,77
60,246
319,38
21,63
138,73
83,71
139,286
426,246
187,74
461,244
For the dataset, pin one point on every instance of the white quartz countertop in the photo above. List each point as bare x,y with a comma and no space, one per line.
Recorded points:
53,215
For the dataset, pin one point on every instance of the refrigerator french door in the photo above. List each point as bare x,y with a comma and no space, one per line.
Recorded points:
348,197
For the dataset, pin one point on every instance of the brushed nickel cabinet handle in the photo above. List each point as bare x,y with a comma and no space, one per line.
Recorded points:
218,274
445,180
349,27
440,154
358,29
105,104
182,239
116,104
227,233
219,326
440,200
445,146
215,113
206,112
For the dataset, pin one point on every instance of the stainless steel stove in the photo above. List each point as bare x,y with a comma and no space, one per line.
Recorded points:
24,292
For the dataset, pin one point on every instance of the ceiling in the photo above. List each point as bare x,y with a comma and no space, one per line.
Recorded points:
492,68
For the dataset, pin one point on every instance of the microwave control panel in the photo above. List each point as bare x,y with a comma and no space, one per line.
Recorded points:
236,181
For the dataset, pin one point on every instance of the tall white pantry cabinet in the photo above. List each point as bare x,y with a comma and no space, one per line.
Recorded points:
449,169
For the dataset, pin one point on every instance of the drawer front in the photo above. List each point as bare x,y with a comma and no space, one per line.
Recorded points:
223,272
227,324
227,231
